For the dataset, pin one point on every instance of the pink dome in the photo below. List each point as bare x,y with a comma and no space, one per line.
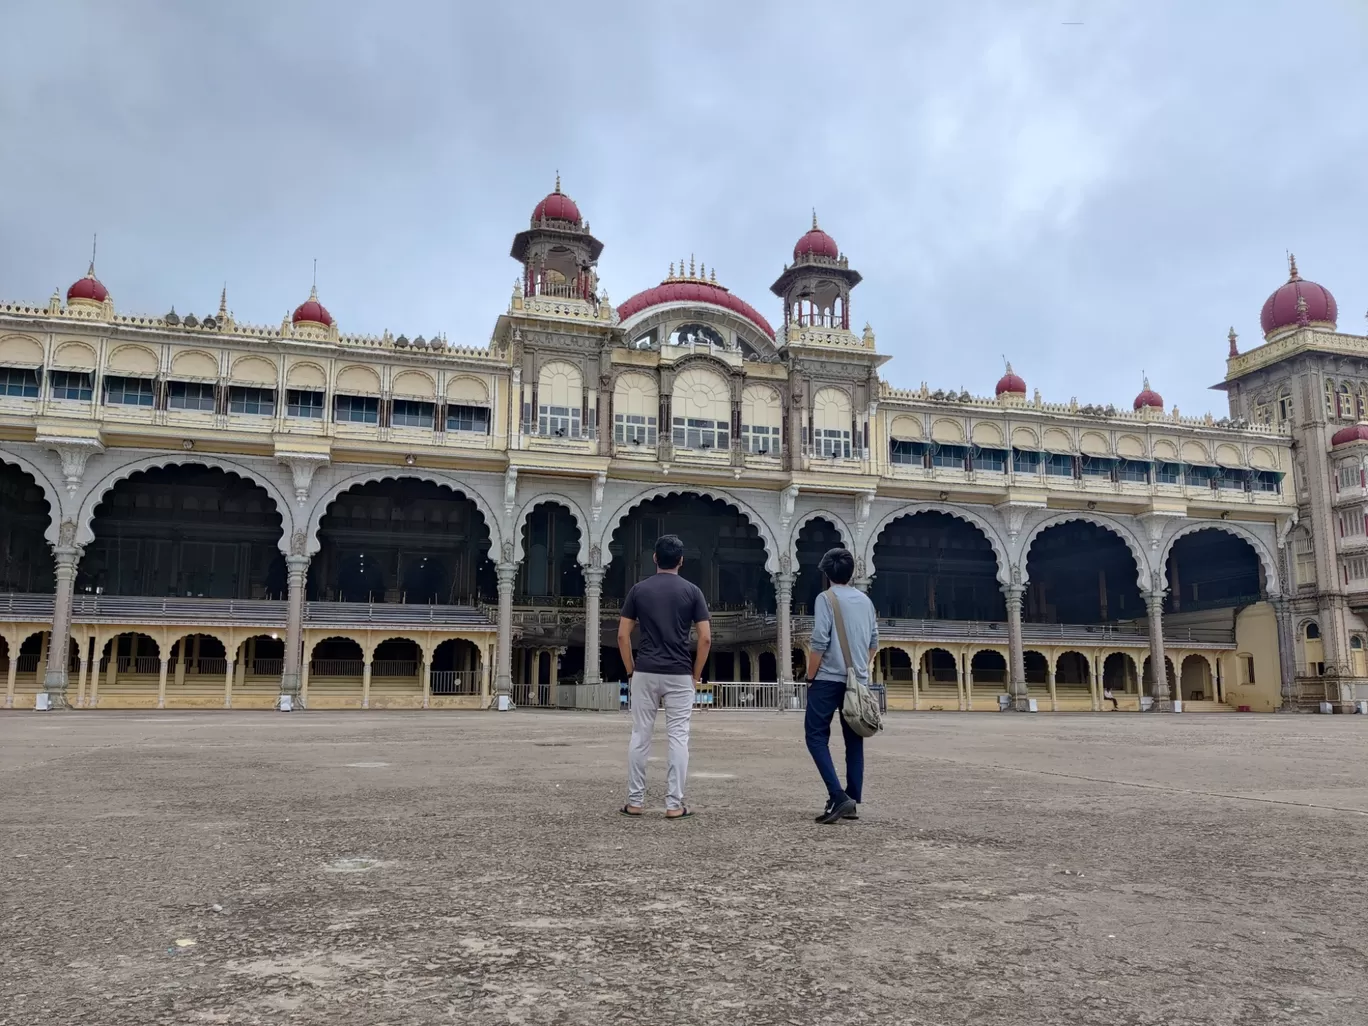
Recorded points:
816,243
556,207
691,291
1010,383
1298,302
89,288
1354,433
1149,397
311,311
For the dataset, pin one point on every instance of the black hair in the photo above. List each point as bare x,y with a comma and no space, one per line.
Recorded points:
838,565
669,551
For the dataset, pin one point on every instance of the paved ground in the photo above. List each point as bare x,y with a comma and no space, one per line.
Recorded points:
1027,870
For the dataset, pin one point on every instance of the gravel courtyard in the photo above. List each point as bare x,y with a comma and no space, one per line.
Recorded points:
472,868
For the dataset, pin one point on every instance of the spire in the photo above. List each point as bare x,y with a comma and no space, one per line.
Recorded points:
1145,379
315,276
672,275
1234,342
558,181
94,243
223,302
1292,274
1008,363
691,266
814,218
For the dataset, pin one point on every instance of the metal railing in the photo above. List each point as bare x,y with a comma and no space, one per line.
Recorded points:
394,668
455,682
266,667
336,668
741,695
608,696
206,665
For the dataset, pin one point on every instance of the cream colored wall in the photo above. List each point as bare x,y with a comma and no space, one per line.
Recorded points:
1256,634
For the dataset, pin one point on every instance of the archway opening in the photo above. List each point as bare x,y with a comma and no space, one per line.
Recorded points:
1081,573
895,666
403,541
336,657
989,667
939,668
550,567
1148,676
1037,668
931,565
1118,674
261,656
197,654
26,563
1072,670
1196,681
396,657
131,655
1212,569
816,537
456,668
186,531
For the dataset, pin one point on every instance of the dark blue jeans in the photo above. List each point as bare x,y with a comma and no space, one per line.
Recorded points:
824,702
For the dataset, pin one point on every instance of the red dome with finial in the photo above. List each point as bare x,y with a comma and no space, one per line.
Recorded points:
556,207
816,243
311,311
1010,384
1353,433
1149,398
1298,302
691,288
89,288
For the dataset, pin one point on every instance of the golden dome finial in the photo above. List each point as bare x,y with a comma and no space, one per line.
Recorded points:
1292,274
691,265
671,269
557,180
713,276
814,218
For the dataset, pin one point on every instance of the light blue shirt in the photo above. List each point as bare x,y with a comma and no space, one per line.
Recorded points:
862,632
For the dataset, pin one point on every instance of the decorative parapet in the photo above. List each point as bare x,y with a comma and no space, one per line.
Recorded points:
1300,341
825,338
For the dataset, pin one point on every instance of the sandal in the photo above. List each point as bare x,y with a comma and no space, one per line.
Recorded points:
626,810
684,814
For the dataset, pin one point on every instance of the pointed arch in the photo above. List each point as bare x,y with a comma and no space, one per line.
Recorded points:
1137,551
1262,552
559,499
761,525
847,535
51,493
458,485
959,513
85,531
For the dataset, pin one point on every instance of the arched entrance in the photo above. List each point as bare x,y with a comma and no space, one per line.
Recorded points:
930,565
128,675
336,671
815,538
1081,573
26,563
185,531
403,541
456,668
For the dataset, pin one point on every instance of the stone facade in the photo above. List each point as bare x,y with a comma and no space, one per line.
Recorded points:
683,390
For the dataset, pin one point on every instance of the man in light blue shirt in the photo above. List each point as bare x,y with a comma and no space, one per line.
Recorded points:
826,673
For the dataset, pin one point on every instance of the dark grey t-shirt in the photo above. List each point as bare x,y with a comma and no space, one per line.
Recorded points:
666,607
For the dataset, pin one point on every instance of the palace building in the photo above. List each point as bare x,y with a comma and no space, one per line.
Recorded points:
203,513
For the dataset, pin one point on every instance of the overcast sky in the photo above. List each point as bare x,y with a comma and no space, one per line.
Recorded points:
1091,200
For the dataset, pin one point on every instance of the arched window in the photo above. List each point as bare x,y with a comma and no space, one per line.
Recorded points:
762,420
1356,643
1312,631
701,410
697,335
1346,402
636,409
831,423
1285,405
560,396
1329,398
1305,559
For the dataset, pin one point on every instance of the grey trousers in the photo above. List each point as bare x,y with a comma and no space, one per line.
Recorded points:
648,691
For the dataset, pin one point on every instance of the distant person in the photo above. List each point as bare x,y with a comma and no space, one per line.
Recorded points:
1108,696
667,607
826,673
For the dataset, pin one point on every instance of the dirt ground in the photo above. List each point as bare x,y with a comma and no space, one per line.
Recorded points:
412,868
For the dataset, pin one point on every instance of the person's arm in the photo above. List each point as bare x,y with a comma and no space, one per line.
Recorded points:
625,643
873,644
626,623
704,626
704,647
820,641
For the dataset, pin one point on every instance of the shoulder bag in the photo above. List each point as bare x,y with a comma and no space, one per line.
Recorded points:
859,708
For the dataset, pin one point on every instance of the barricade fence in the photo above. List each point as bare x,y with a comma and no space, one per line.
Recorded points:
732,696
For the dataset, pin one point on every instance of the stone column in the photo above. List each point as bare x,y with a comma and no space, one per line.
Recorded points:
427,680
230,674
59,649
1287,665
161,680
1050,682
1154,604
85,668
503,673
365,683
783,594
13,672
916,684
1016,649
291,678
959,682
593,626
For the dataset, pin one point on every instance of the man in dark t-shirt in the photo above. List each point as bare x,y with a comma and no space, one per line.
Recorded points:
663,671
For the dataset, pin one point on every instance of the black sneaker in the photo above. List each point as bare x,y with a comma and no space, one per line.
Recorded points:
821,816
837,813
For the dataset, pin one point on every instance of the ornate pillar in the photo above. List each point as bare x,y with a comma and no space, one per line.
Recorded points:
861,580
291,683
593,623
161,679
1050,681
229,676
84,669
59,647
427,679
503,674
1287,666
366,681
1154,604
13,672
1016,649
783,594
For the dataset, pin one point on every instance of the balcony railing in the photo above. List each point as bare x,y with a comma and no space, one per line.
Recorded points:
455,682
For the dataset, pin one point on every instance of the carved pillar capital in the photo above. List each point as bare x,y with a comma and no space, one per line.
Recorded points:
74,454
303,466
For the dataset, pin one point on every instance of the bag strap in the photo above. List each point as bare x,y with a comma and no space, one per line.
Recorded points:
840,629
